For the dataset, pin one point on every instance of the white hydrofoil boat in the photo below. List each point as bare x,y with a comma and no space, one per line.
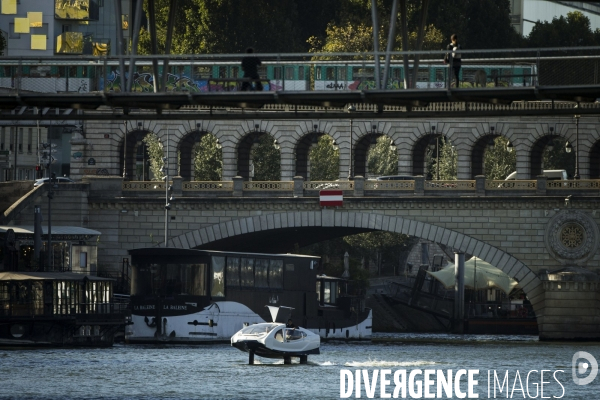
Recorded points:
275,340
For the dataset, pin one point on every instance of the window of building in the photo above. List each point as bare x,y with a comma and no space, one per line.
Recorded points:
11,139
29,140
20,138
83,260
2,138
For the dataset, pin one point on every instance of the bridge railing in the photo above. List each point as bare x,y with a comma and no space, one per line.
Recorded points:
359,187
201,73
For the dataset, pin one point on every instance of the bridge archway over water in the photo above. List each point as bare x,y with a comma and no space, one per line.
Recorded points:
331,223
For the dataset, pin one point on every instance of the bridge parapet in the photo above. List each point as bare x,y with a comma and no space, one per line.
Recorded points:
418,187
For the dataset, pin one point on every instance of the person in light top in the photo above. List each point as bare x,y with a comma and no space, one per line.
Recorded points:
455,61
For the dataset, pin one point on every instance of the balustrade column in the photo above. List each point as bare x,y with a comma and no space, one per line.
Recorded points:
542,181
359,186
298,186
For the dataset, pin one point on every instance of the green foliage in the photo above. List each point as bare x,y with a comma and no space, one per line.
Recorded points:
498,162
574,30
229,26
324,160
371,245
480,24
555,157
448,161
266,159
381,158
208,159
155,154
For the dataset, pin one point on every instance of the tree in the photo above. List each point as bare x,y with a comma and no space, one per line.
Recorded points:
378,246
574,30
267,160
448,161
324,160
228,26
382,159
208,159
499,162
155,154
479,24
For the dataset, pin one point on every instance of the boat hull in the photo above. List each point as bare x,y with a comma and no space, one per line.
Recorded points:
218,322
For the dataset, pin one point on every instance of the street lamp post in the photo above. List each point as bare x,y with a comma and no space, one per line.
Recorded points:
569,148
168,190
351,109
576,175
435,140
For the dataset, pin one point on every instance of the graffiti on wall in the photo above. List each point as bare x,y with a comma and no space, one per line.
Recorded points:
143,82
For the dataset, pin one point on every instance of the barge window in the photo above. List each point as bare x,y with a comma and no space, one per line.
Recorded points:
261,269
170,279
276,274
217,288
233,272
247,272
193,279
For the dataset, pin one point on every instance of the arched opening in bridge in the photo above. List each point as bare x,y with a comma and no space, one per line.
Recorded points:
403,262
478,154
424,155
302,153
259,157
200,157
134,155
361,151
550,152
324,160
594,161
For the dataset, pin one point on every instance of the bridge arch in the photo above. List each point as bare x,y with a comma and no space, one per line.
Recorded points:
186,148
363,222
133,152
302,151
244,151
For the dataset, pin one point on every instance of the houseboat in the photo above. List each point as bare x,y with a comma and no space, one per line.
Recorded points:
200,296
57,309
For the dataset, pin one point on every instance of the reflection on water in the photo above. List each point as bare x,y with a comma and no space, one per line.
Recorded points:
220,371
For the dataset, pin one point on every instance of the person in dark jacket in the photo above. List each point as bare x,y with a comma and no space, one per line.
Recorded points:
454,57
250,66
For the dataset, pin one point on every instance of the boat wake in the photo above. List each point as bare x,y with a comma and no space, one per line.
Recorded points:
378,363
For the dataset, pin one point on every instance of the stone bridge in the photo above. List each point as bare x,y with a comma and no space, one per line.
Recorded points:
544,239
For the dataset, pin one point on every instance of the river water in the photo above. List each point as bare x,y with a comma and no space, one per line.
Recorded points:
222,372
